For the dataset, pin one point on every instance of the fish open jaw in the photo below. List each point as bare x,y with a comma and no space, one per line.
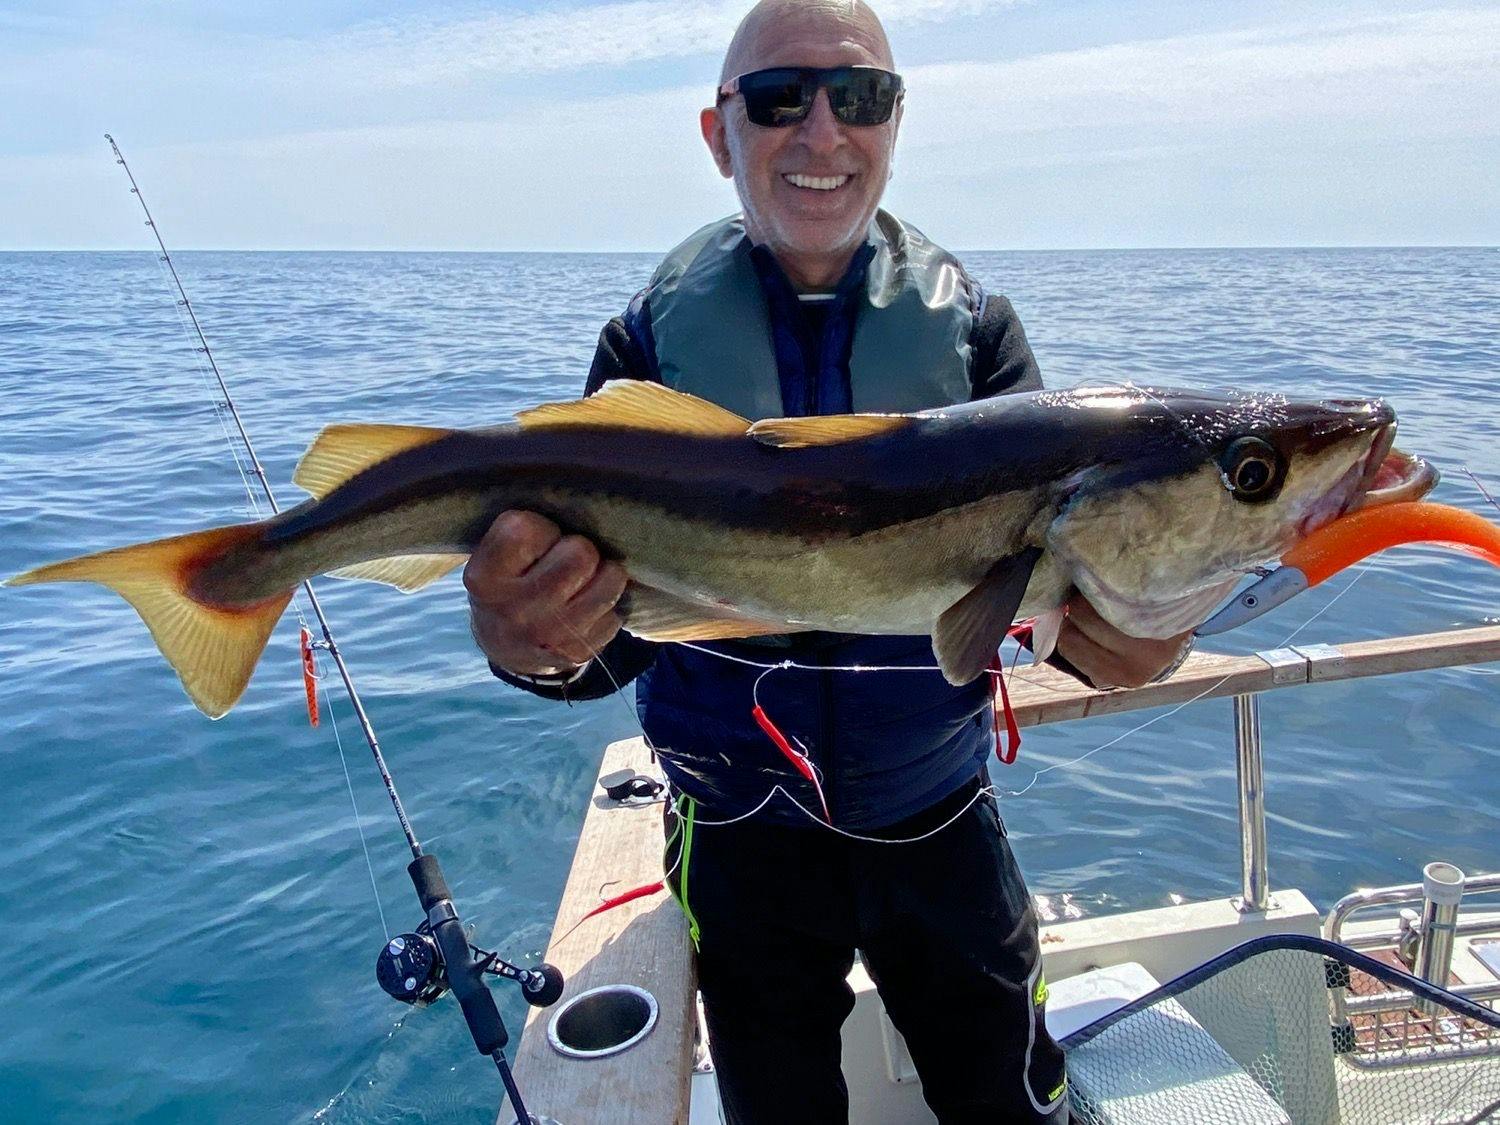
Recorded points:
1392,476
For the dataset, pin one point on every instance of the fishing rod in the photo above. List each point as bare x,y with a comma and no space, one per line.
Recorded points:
420,966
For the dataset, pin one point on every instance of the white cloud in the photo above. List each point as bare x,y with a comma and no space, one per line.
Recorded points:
1374,130
415,52
1439,68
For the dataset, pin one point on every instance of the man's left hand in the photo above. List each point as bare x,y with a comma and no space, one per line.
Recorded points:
1109,657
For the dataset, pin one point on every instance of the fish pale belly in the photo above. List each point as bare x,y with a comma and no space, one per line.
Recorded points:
898,579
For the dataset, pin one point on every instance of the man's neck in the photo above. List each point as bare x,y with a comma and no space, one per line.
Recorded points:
813,273
816,274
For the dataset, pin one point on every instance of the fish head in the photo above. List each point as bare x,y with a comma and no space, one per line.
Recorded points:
1194,490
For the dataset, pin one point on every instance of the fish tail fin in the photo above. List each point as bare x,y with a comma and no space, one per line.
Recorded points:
213,648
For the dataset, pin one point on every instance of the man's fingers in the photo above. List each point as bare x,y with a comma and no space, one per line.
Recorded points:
600,595
1095,661
1086,619
511,547
580,641
1138,659
564,570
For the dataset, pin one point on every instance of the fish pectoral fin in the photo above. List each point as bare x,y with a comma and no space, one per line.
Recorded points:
829,429
341,452
408,573
638,405
655,615
970,631
1044,634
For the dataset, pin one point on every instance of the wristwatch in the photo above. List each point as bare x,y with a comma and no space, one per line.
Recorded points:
555,679
1171,669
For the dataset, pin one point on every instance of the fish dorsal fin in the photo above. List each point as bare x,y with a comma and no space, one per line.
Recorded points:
638,405
830,429
655,615
408,573
341,452
970,631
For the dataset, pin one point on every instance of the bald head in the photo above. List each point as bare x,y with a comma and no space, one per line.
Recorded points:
808,186
772,28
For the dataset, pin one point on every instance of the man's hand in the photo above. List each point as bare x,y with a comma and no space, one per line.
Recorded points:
1109,657
540,602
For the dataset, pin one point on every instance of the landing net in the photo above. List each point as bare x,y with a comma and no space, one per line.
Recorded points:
1289,1030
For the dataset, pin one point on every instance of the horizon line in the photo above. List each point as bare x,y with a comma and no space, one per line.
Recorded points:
663,250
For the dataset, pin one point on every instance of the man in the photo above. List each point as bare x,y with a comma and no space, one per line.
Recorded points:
812,303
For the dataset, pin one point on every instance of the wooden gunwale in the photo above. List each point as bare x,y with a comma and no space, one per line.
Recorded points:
645,942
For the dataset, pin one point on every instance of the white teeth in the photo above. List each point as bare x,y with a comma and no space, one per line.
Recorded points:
816,183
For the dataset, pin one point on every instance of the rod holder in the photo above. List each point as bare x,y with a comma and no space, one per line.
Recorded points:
1442,890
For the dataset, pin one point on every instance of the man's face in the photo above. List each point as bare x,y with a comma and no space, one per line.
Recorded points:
809,190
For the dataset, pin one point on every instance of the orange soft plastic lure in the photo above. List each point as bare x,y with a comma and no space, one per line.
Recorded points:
1351,538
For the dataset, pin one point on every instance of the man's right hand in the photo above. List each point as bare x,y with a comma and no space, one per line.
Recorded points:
540,602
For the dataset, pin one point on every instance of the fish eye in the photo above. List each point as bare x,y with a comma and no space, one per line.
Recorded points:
1252,470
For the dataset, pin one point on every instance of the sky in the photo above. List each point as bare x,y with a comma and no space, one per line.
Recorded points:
1030,124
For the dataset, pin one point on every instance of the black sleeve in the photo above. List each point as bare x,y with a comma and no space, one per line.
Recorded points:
618,356
625,657
1001,360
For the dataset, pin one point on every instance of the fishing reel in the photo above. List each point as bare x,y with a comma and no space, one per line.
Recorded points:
411,969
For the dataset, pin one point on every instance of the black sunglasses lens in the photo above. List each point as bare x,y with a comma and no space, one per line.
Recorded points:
863,97
776,98
857,95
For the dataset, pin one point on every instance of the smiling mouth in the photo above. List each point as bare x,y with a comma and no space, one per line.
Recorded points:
816,183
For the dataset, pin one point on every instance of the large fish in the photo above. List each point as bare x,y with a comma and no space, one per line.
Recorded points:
953,522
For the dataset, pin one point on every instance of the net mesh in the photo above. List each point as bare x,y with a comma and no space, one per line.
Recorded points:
1281,1031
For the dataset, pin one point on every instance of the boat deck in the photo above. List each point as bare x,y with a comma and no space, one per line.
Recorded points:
644,942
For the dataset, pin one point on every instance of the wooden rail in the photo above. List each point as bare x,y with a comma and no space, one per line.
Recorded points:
645,942
1042,695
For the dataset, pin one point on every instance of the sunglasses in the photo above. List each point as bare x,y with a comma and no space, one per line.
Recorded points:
784,95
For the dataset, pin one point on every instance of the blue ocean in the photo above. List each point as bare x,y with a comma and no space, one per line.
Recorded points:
192,922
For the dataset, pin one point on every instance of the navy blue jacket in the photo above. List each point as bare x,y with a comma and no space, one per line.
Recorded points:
886,744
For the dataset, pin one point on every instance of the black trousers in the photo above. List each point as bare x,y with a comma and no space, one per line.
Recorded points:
946,931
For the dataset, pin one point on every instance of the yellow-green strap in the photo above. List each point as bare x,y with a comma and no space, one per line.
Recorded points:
684,860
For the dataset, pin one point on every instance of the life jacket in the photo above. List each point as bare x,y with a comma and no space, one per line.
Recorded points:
720,320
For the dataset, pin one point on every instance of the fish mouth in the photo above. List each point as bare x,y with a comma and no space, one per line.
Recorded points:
1384,475
1391,476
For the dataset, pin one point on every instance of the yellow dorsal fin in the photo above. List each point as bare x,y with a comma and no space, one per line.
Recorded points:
637,405
340,453
831,429
408,573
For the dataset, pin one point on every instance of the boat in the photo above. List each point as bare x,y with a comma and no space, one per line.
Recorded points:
1250,1007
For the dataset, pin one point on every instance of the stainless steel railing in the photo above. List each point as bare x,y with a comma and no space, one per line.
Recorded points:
1440,894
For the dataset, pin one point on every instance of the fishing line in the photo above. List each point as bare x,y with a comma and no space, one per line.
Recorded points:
1482,490
421,966
992,789
205,354
333,720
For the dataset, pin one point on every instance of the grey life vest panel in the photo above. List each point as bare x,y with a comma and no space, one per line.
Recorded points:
713,337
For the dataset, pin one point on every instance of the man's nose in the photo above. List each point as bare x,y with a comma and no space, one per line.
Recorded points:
820,129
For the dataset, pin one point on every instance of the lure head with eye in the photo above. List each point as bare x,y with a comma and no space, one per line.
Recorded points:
1206,488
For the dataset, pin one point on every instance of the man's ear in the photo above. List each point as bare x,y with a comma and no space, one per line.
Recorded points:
711,122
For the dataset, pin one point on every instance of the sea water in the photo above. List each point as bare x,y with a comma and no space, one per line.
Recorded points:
190,917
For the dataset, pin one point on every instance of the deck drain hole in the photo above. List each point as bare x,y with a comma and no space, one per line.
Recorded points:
602,1021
